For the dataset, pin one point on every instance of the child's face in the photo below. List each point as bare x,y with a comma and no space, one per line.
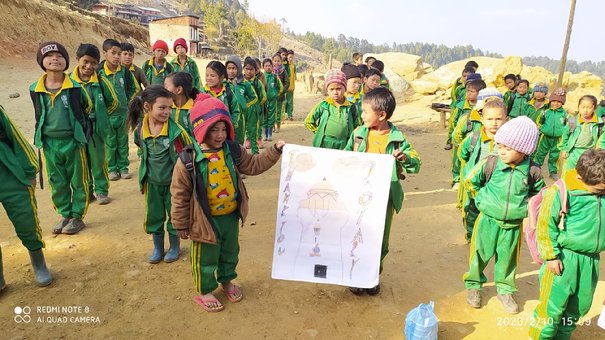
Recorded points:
538,95
159,54
510,156
231,71
169,85
212,78
87,65
215,136
284,56
372,119
181,51
586,109
160,109
555,104
471,94
126,58
277,61
268,67
353,85
290,58
371,61
522,88
464,75
54,61
112,56
249,72
337,92
493,118
372,82
510,84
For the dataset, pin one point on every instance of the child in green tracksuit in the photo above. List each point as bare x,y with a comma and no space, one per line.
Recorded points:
181,86
291,70
333,119
476,147
280,72
18,168
160,139
353,84
62,131
459,109
157,68
245,95
384,81
458,89
125,87
571,250
253,122
103,99
511,81
501,187
582,132
218,87
378,135
521,98
274,89
126,59
209,201
183,63
601,109
538,103
552,126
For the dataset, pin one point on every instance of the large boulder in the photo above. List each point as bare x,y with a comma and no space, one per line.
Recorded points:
424,86
407,66
397,83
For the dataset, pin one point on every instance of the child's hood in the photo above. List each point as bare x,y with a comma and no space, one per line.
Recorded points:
238,64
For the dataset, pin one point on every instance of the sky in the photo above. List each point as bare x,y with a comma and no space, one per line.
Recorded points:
509,27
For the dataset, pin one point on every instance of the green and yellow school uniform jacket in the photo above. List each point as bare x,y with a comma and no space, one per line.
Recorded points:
190,67
583,225
475,147
552,122
600,110
462,108
124,85
159,153
355,99
291,70
154,75
329,119
57,119
358,142
456,89
15,152
464,127
259,89
103,98
139,76
246,94
519,105
504,197
384,81
571,140
285,80
534,112
507,95
181,116
274,86
227,95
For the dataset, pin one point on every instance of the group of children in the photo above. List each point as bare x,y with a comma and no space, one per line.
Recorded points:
500,142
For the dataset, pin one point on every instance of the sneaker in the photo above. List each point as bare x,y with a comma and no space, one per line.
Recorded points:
247,144
509,304
473,298
448,146
373,291
357,291
554,177
103,199
125,175
58,228
74,226
114,176
455,186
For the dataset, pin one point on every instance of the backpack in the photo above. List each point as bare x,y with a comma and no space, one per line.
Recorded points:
533,211
572,123
474,140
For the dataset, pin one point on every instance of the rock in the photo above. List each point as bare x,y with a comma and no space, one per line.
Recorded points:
424,87
312,332
14,95
397,83
407,66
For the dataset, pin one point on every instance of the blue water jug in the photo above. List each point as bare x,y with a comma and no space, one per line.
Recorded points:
421,323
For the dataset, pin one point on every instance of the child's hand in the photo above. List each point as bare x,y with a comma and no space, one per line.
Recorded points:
399,155
280,145
564,155
555,266
184,234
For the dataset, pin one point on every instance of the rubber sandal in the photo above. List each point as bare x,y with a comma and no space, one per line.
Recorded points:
233,292
199,299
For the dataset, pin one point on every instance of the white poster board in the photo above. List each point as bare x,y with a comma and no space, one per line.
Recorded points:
330,216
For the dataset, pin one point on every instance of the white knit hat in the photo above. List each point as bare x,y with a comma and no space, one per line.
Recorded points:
519,134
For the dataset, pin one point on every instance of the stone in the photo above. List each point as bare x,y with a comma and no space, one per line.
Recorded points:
14,95
424,87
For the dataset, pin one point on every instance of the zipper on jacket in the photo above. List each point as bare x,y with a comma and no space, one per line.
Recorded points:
600,222
508,194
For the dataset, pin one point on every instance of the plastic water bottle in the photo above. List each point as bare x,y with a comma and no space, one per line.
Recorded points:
421,323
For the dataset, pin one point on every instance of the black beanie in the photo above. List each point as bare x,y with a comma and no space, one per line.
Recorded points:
351,71
89,50
51,46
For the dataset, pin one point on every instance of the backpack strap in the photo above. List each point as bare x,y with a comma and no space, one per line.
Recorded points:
469,123
474,140
229,95
490,166
75,95
37,100
571,123
199,189
564,202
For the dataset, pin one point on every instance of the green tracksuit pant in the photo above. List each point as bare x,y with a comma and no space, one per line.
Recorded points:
548,146
252,130
271,113
566,298
455,165
157,209
117,144
387,232
289,103
240,129
99,180
281,109
262,117
20,204
490,240
67,169
333,143
469,218
214,263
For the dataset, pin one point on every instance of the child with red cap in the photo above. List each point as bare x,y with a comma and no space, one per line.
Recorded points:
183,63
157,68
501,187
209,201
333,119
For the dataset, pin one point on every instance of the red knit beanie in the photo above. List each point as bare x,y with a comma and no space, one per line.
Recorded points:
161,44
336,76
180,42
206,111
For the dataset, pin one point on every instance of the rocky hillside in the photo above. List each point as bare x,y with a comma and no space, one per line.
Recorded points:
26,23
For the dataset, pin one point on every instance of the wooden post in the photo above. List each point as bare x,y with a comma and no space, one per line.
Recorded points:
566,45
330,62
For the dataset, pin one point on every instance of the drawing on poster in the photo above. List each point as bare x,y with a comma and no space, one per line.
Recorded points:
330,216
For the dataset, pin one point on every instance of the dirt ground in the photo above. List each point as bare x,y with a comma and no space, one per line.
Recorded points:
104,271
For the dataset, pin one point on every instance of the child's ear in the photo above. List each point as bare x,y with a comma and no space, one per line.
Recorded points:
382,116
146,107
